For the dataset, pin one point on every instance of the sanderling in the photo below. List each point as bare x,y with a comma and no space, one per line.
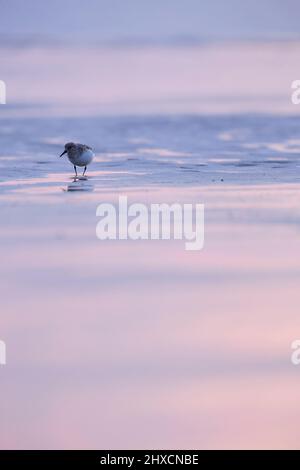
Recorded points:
79,155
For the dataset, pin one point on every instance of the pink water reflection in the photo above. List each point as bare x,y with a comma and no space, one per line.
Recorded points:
143,344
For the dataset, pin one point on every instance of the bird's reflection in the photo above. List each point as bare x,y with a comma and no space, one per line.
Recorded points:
80,183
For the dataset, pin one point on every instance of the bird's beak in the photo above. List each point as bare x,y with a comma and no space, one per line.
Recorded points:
63,153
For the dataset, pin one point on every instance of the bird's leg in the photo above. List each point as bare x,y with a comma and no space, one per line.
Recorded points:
75,170
84,171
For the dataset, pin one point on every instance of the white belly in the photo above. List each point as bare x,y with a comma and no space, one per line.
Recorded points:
83,159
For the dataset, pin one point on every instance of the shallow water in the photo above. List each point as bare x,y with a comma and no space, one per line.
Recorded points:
143,344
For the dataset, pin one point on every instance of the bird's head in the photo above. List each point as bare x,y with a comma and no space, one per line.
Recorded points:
69,147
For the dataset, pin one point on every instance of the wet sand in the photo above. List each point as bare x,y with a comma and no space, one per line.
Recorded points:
142,344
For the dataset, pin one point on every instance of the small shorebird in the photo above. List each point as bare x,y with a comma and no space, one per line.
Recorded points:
79,155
